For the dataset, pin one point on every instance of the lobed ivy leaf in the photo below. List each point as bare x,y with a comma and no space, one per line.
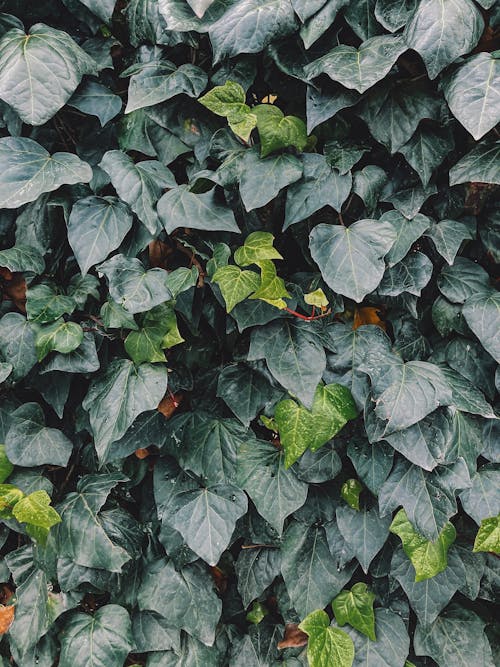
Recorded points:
356,608
326,644
488,536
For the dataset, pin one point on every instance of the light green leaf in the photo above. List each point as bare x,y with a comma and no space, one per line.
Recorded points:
327,645
229,101
321,185
119,395
139,185
356,608
257,248
28,170
300,428
472,92
30,443
249,26
488,536
100,640
181,208
235,284
10,495
157,81
96,227
428,558
351,258
271,288
481,165
45,304
35,510
350,492
60,336
360,68
278,131
482,314
442,30
132,286
40,71
159,331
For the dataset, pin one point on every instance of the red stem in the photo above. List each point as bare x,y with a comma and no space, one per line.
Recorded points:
305,317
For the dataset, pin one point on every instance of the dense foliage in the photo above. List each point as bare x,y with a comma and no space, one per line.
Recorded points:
249,333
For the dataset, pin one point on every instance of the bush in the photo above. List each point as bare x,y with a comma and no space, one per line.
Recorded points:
249,333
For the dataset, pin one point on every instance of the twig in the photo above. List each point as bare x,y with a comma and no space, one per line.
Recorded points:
192,262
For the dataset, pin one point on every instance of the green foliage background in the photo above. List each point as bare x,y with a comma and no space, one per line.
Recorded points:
328,388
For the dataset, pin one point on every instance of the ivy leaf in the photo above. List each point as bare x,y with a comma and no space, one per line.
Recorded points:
81,535
326,645
6,466
457,635
359,68
271,288
462,280
249,26
245,391
60,336
134,287
407,232
478,166
350,492
40,71
262,179
392,641
448,236
488,536
119,395
45,304
108,634
351,258
482,314
311,574
278,131
139,185
17,344
206,518
427,598
427,497
471,92
426,150
256,569
29,171
36,512
186,597
275,491
97,100
235,284
22,258
410,275
229,101
482,499
301,429
181,208
365,532
30,443
282,345
428,558
258,247
321,185
441,33
96,227
157,81
393,14
356,608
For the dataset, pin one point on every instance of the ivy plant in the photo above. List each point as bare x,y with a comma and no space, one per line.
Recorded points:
249,333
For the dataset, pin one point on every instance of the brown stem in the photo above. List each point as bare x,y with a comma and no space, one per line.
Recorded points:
193,262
